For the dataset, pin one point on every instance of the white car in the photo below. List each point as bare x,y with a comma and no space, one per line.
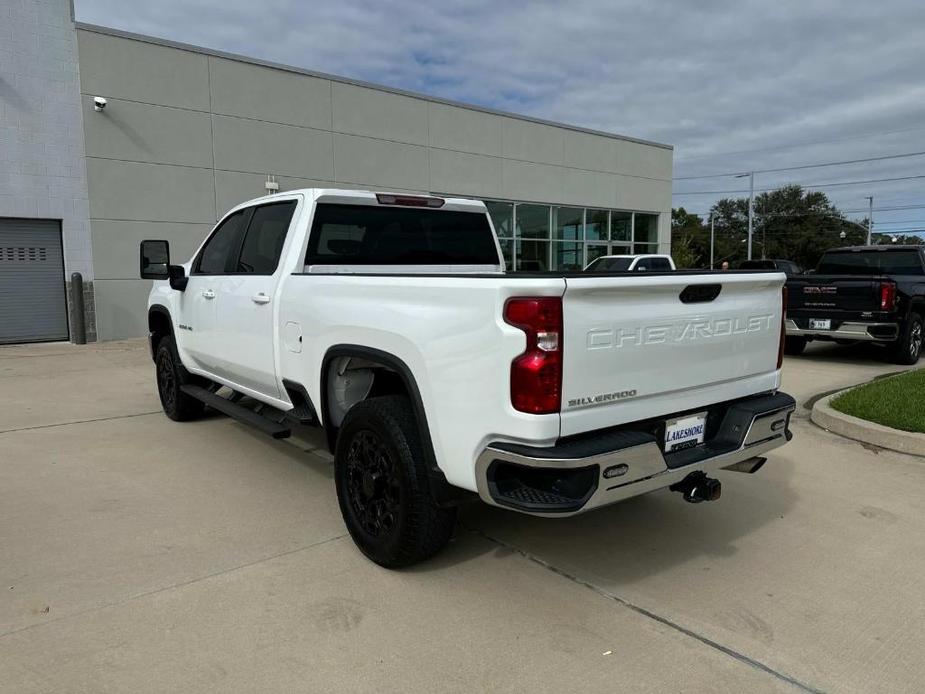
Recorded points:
389,321
632,263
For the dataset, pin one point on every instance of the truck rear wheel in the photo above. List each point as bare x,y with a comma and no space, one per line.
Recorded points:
909,345
382,485
177,405
794,346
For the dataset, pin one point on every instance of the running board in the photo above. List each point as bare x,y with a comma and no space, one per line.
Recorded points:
239,412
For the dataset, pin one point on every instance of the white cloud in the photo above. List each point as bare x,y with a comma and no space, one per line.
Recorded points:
710,77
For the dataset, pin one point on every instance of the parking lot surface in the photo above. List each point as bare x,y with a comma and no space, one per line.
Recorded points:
138,554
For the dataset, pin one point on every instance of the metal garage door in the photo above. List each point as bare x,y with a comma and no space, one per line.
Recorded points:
32,302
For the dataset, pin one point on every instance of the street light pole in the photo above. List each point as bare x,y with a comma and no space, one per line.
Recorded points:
712,221
751,207
870,216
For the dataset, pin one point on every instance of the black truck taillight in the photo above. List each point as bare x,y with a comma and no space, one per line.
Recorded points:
536,374
887,296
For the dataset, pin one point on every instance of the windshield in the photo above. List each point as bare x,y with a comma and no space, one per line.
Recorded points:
610,265
905,262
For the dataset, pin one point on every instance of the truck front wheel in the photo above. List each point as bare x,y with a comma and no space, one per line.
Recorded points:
382,485
177,405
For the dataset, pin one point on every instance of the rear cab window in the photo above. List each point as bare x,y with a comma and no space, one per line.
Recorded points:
889,262
378,235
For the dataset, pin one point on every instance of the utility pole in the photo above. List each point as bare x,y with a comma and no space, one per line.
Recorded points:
711,239
870,217
751,210
751,207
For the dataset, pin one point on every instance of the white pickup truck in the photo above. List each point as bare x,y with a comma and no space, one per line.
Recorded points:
389,321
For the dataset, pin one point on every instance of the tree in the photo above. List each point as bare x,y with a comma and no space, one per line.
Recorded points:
788,223
901,239
687,231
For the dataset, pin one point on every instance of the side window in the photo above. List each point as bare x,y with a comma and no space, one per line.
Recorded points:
217,255
265,236
659,264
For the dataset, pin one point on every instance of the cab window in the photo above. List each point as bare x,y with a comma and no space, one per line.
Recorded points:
218,255
266,234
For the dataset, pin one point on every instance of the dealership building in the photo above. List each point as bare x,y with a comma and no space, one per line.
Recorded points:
188,132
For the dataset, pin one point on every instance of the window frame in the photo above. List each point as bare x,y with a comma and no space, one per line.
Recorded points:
195,270
248,211
247,229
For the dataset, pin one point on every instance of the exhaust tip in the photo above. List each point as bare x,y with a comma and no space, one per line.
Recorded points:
750,466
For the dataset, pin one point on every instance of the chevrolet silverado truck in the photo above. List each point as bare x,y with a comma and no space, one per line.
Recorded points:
861,294
389,321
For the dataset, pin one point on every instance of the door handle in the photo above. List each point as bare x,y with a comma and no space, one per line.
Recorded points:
260,298
208,293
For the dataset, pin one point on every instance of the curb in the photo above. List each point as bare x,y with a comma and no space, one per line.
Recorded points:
825,416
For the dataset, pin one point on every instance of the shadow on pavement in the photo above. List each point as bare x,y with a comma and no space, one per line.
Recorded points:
643,536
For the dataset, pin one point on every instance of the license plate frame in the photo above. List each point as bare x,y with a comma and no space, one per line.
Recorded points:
685,432
820,323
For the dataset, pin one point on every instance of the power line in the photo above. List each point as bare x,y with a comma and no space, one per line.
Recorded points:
899,221
804,185
859,136
843,211
905,155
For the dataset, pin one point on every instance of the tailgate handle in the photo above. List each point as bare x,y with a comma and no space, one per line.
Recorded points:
700,293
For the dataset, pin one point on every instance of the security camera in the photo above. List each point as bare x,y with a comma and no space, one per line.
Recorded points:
99,103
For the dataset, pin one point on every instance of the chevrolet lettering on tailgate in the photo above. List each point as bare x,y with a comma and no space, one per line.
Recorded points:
680,331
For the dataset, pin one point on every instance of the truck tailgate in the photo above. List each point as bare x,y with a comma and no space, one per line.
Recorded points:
633,349
834,292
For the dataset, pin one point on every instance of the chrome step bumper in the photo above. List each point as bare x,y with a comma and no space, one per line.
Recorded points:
576,476
848,331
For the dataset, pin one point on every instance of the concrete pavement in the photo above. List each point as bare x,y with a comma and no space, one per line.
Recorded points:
137,554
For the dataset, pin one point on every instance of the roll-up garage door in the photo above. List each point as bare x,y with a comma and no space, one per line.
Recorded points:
32,302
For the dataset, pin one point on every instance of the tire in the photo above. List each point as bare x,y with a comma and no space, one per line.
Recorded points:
908,347
383,488
170,376
794,346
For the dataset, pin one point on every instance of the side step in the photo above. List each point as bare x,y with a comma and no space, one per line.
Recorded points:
301,414
239,412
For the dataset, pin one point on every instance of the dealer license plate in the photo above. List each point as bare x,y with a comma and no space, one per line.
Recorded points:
685,432
820,324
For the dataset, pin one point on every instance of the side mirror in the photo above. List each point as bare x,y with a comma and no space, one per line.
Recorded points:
155,265
155,260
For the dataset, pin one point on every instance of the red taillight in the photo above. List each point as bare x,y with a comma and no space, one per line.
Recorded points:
536,375
409,200
783,327
887,296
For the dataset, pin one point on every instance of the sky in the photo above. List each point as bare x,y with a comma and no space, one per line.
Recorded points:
735,86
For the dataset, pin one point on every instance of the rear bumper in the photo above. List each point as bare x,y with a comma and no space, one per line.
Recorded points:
848,330
586,472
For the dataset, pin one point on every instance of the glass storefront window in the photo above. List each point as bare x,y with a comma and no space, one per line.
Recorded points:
507,250
567,255
568,223
502,216
596,226
645,230
532,255
532,222
621,226
643,248
621,249
595,250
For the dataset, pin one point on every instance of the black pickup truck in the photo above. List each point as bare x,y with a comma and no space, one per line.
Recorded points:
870,293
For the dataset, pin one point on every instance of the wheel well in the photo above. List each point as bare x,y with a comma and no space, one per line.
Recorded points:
349,380
159,326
